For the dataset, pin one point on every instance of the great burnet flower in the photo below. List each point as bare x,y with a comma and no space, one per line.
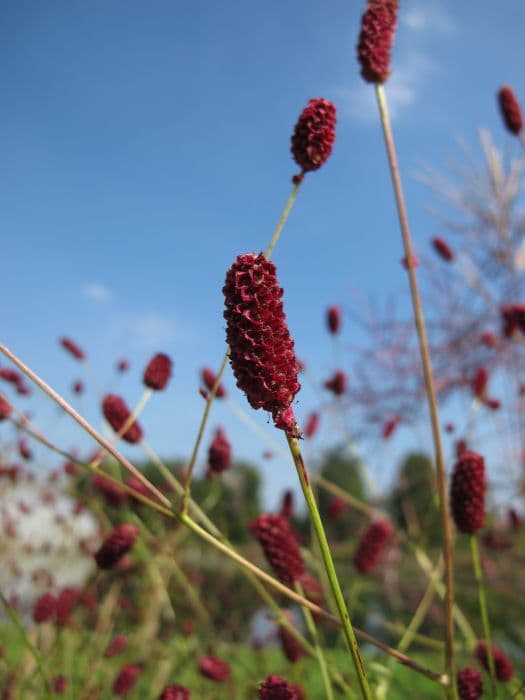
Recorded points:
502,664
479,382
220,453
378,25
470,684
45,608
314,134
262,352
116,646
513,318
337,383
276,688
333,319
467,492
158,372
372,545
208,379
5,408
118,543
214,668
73,349
510,109
175,692
292,648
312,424
443,249
117,414
126,679
281,548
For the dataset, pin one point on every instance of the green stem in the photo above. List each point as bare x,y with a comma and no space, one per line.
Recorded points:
280,224
478,573
330,568
429,385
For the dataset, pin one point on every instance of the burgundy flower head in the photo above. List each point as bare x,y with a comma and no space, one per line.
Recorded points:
112,492
117,414
333,319
337,383
280,546
158,372
66,601
126,679
45,608
389,427
5,409
443,249
262,352
470,684
123,365
378,25
220,453
59,685
175,692
372,545
510,110
291,647
208,379
513,318
73,348
214,668
314,135
467,492
118,543
276,688
117,645
336,508
11,375
479,382
312,424
502,663
78,387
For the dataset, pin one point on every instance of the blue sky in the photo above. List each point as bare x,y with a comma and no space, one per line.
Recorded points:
145,145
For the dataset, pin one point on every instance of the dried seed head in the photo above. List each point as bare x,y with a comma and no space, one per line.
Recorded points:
510,109
175,692
208,379
333,319
467,492
262,352
45,608
337,383
502,663
117,414
372,545
126,679
118,543
378,25
314,135
214,668
220,453
276,688
470,684
443,249
73,348
158,372
280,546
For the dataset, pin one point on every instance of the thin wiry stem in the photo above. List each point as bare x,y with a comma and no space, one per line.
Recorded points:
429,385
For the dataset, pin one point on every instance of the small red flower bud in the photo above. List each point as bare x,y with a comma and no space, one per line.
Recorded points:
281,549
492,403
502,663
287,504
123,365
74,349
510,109
449,427
262,352
443,249
214,668
333,319
126,679
337,383
78,387
389,426
336,508
314,135
117,645
470,684
158,372
118,543
467,492
312,424
378,25
489,339
276,688
372,545
117,414
45,608
175,692
291,647
479,382
5,409
59,685
208,379
23,449
220,453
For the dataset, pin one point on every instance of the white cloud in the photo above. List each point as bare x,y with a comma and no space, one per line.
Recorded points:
408,77
96,291
429,17
150,330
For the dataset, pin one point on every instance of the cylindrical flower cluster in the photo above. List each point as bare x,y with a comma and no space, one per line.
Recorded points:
220,453
45,608
117,414
314,134
479,382
467,492
443,249
502,664
276,688
337,383
158,372
118,543
378,25
126,679
372,545
510,110
513,318
470,684
291,647
5,408
175,692
116,646
333,319
262,352
72,348
280,546
208,379
214,668
312,424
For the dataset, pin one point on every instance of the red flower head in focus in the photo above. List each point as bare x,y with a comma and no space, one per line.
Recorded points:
467,492
502,663
276,688
314,135
208,379
73,349
158,372
118,543
333,319
510,110
214,668
117,414
378,25
279,542
262,352
220,453
372,545
470,684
